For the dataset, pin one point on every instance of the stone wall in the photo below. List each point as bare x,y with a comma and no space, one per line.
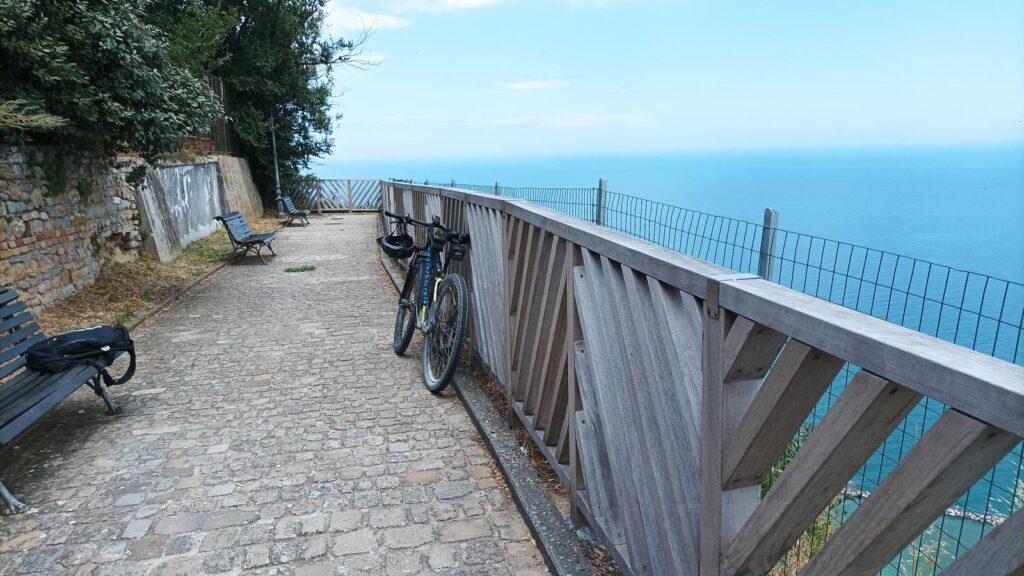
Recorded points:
63,216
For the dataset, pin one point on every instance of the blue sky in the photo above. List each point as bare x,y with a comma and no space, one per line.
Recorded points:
527,78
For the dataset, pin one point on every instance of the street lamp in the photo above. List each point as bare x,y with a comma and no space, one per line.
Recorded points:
277,174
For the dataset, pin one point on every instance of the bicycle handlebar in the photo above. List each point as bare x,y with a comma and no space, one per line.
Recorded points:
411,220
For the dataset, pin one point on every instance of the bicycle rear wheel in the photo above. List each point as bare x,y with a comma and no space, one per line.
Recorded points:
405,320
441,347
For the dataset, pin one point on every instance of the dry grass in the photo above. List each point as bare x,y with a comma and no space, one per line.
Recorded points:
126,291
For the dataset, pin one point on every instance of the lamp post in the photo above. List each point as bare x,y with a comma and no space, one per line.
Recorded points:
277,174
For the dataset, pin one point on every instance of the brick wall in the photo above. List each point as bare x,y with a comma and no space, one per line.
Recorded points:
64,214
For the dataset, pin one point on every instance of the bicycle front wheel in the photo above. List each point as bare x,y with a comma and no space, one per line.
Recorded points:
443,342
405,320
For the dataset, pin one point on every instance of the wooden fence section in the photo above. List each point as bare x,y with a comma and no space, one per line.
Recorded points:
343,195
662,389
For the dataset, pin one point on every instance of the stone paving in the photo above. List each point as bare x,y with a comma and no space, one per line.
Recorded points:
269,430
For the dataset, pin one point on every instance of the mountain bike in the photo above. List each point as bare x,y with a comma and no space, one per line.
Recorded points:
434,300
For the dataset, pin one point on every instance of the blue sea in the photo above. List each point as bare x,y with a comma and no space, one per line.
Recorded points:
959,206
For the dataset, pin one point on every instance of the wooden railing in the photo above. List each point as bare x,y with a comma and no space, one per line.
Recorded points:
662,389
341,195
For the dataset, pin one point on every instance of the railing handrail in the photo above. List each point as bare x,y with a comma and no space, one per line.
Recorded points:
685,377
980,385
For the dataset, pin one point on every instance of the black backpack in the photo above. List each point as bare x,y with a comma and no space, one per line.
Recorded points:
93,346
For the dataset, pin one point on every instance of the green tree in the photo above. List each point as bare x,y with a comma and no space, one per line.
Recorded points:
100,66
196,31
278,67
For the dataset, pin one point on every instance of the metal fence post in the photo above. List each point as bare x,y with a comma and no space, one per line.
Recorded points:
601,210
766,259
497,188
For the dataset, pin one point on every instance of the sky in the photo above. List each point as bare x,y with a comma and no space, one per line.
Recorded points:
451,79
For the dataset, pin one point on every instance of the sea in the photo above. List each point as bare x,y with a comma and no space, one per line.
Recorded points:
961,206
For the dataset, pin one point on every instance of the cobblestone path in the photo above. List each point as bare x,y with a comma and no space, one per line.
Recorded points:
269,429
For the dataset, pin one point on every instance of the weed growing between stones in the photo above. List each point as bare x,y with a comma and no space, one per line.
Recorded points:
303,268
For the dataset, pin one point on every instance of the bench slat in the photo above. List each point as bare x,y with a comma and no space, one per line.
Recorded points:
9,353
12,358
17,335
57,391
7,295
26,378
16,320
12,308
11,367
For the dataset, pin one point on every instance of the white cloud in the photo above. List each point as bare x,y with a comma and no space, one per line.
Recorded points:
535,85
579,120
567,121
341,17
439,5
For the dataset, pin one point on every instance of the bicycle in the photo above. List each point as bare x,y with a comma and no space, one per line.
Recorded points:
433,300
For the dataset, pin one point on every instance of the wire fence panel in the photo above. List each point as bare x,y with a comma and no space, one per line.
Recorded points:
974,310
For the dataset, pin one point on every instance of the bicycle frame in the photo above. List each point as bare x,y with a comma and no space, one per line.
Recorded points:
435,263
435,257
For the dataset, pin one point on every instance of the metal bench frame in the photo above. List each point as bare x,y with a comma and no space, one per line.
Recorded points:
27,395
243,239
294,213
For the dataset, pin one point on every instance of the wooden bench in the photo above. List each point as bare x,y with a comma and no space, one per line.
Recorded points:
26,395
293,213
243,238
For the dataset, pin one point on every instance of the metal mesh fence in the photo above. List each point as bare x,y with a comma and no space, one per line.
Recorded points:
974,310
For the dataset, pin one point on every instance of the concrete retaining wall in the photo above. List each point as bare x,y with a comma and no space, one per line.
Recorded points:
238,191
178,203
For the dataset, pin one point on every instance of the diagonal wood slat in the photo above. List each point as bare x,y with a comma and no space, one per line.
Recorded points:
1000,553
789,393
862,417
750,349
951,456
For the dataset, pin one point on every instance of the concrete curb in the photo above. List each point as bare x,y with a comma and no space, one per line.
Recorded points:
553,533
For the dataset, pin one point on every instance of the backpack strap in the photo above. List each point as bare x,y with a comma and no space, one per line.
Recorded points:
109,380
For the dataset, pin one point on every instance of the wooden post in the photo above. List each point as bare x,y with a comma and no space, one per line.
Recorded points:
319,197
765,262
497,188
574,334
348,195
601,210
711,428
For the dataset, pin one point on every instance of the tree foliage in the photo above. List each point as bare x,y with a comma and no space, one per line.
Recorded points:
278,70
99,65
131,75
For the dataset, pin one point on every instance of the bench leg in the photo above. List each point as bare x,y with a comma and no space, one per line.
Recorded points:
11,504
272,253
258,248
101,391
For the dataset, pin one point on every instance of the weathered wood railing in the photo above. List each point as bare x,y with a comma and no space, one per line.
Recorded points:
662,389
348,195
